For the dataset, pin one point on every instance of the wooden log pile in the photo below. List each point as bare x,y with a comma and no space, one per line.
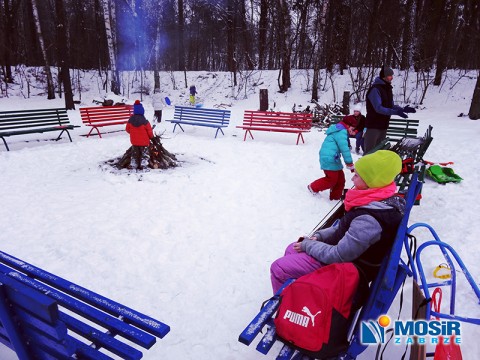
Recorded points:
160,158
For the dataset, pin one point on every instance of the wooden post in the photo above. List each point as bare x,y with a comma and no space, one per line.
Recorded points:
263,99
419,311
346,102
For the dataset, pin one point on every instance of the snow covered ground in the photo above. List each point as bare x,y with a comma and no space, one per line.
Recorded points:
192,246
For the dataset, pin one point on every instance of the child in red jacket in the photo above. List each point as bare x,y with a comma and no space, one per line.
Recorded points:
140,132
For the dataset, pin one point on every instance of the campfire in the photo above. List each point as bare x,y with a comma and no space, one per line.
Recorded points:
160,158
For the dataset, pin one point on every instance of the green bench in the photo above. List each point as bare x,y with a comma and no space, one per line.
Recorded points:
397,128
21,122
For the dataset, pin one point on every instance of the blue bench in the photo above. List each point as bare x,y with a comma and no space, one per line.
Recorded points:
383,290
214,118
40,311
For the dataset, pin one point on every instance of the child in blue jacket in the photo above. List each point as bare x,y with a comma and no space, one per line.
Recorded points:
334,146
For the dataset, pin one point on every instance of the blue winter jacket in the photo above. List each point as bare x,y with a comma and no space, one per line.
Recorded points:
335,143
377,110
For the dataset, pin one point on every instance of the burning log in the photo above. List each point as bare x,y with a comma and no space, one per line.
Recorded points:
160,158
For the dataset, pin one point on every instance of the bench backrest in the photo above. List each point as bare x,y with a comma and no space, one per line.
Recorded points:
218,117
36,318
38,118
302,121
105,114
399,128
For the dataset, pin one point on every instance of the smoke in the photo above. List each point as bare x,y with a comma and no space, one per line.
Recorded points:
137,33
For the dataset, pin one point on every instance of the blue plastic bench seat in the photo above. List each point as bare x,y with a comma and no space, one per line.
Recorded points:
214,118
39,313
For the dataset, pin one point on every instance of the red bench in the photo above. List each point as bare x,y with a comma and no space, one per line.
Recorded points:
296,123
101,116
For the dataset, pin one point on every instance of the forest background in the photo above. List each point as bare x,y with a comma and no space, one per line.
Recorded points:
238,36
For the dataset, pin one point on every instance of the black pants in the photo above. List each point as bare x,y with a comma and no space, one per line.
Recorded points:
373,137
158,115
140,157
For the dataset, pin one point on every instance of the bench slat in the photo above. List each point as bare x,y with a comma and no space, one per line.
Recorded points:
32,116
56,331
44,307
134,317
59,349
100,338
86,352
268,340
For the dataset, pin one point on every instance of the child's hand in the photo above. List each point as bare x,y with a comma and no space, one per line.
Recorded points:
297,246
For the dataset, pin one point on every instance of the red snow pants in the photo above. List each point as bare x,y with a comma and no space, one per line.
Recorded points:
333,180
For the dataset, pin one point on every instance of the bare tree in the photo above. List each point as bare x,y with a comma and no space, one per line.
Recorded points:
231,41
38,28
262,33
409,44
474,112
318,47
63,54
284,43
9,14
107,16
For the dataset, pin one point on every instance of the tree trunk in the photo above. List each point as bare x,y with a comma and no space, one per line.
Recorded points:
443,50
474,112
409,38
156,70
63,54
50,87
262,33
231,41
181,35
9,15
285,51
107,16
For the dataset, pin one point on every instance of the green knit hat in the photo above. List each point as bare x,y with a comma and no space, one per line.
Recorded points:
379,169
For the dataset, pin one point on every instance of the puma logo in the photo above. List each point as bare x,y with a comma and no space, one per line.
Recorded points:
306,310
300,319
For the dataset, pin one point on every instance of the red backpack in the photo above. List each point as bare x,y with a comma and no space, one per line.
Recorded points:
314,310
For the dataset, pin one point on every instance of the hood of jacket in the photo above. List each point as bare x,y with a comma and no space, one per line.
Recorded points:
379,81
137,120
335,128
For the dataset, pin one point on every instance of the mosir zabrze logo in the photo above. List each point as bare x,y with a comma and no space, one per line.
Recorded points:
411,331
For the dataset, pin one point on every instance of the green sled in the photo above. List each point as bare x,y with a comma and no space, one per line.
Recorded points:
443,175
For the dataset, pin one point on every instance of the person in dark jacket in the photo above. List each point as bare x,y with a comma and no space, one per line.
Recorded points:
366,232
380,107
140,132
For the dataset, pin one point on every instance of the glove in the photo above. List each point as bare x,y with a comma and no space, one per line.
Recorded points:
350,167
409,109
401,114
